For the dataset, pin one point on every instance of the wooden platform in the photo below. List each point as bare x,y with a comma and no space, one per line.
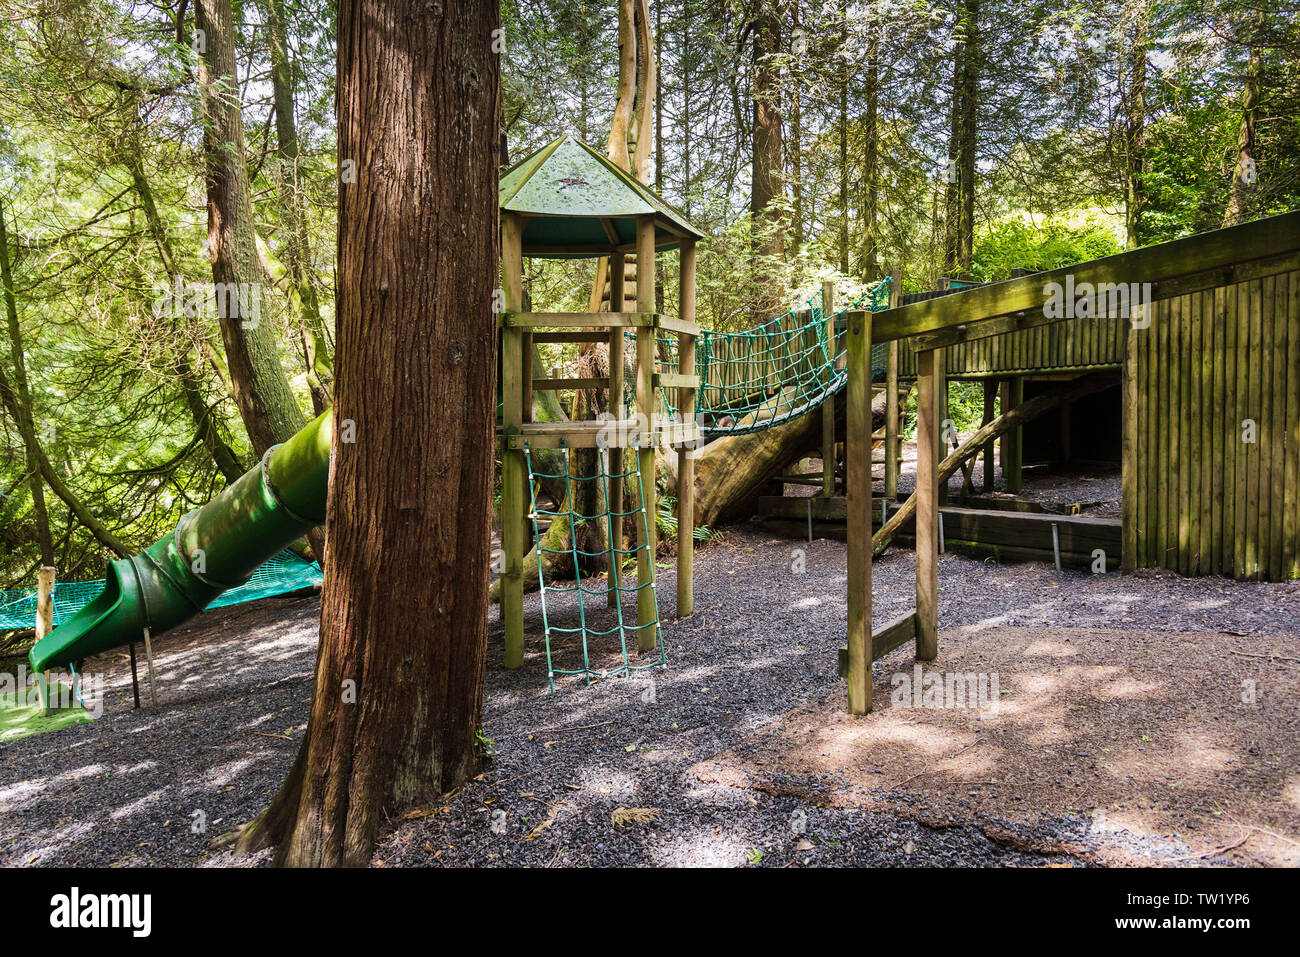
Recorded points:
1003,535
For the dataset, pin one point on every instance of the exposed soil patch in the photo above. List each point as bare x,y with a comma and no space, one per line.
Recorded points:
1161,746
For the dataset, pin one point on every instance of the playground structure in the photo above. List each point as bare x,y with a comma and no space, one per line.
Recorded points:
1209,375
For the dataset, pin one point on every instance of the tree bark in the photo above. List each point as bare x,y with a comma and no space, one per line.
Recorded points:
266,401
1135,130
767,167
1243,172
22,410
191,387
403,619
303,294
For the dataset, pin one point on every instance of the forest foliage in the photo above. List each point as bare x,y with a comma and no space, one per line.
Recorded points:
961,138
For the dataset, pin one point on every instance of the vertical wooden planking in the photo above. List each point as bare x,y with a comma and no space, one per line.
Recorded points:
1217,417
1239,458
857,481
1277,435
1264,535
1253,406
1182,405
1160,483
1291,557
1189,363
1128,452
1205,411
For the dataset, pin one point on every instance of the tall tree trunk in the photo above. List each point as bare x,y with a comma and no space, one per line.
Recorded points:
842,81
952,173
23,412
871,161
399,680
262,392
798,50
303,294
191,386
1243,172
766,187
1135,128
967,139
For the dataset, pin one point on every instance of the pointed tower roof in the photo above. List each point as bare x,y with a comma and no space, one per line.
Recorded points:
578,204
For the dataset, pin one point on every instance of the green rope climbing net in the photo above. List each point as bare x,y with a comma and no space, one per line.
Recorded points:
616,556
771,373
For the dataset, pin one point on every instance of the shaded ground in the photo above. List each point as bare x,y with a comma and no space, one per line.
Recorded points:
235,690
1146,743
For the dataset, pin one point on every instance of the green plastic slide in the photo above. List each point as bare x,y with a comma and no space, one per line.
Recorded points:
212,549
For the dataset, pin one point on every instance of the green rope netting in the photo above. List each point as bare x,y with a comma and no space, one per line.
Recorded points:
613,582
283,573
772,373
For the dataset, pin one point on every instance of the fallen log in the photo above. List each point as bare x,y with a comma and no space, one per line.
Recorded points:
732,471
1026,412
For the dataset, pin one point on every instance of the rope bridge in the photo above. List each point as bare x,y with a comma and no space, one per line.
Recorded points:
774,372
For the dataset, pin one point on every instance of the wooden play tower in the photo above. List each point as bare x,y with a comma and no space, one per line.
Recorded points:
567,201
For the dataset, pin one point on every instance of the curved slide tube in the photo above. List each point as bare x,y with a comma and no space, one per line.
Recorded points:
212,549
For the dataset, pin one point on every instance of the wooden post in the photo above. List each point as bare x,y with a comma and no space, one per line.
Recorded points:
828,408
893,440
514,472
941,417
686,456
857,482
990,409
646,609
617,268
927,508
1013,394
148,660
44,625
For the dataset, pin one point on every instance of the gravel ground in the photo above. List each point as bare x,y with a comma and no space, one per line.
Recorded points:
770,616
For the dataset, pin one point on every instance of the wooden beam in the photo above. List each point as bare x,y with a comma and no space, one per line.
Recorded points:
1214,258
558,320
857,456
679,380
885,639
544,385
927,509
